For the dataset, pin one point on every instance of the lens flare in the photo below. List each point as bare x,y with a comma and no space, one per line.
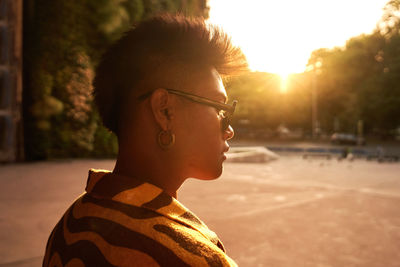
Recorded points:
284,82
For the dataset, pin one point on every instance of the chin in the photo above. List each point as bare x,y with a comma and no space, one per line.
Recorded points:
210,174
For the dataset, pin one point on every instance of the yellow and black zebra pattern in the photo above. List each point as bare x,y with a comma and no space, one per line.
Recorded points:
121,221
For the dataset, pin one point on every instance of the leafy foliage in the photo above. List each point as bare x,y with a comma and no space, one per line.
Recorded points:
360,81
64,40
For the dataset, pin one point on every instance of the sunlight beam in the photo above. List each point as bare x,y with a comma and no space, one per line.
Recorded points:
279,36
284,82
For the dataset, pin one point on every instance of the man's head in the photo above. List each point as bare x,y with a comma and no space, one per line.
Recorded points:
163,52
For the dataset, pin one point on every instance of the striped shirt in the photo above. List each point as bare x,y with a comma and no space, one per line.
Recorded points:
121,221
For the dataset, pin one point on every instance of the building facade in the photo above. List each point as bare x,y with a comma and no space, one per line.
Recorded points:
11,132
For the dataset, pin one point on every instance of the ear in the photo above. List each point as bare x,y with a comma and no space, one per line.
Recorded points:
162,107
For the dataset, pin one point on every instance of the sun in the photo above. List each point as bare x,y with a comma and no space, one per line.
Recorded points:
264,36
284,82
279,36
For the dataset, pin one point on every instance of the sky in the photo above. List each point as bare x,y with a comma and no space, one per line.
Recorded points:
278,36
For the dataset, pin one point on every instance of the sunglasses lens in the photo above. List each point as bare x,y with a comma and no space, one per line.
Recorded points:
225,124
226,121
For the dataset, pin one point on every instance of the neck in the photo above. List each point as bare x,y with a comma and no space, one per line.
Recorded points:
150,170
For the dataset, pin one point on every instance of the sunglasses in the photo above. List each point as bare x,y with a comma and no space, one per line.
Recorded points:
225,111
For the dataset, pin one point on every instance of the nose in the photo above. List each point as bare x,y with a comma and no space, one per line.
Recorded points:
229,133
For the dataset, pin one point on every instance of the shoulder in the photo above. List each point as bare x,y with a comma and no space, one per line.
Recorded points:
101,232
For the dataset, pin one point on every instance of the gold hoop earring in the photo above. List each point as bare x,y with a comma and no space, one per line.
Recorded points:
166,139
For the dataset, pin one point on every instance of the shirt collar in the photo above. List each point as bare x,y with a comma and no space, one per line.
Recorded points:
107,185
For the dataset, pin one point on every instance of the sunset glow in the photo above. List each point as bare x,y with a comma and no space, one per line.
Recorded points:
284,82
279,36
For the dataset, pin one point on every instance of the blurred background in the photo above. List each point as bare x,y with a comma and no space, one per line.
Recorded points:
313,175
322,72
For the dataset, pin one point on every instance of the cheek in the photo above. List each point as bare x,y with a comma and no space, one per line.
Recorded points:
209,144
203,146
202,132
206,128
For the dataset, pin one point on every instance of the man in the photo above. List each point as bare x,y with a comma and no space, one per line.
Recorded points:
159,90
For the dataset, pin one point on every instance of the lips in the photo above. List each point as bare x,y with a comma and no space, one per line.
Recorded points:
226,148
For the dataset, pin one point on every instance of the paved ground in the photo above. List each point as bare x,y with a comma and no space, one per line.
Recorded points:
289,212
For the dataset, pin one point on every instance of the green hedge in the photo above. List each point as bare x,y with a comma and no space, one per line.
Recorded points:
63,42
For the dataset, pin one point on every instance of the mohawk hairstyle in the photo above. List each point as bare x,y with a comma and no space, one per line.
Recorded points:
139,59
